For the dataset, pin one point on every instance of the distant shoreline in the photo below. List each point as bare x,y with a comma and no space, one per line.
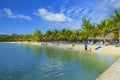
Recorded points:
106,50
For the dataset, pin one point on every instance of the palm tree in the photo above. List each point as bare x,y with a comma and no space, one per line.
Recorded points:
84,34
77,34
37,35
67,34
116,18
88,29
55,34
48,35
62,35
103,29
72,37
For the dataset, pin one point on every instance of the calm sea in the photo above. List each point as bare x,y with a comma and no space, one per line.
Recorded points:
28,62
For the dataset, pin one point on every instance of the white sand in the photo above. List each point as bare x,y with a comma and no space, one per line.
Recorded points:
108,50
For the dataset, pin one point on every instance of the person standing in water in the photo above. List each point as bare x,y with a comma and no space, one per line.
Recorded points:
86,45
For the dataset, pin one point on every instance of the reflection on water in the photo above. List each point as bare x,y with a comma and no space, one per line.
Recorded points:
28,62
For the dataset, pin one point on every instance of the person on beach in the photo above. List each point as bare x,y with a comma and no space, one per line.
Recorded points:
86,44
73,45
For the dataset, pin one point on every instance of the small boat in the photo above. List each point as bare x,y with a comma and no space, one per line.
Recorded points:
98,47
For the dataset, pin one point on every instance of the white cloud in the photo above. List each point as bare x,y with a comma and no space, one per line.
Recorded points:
114,3
109,5
95,11
10,14
53,17
24,17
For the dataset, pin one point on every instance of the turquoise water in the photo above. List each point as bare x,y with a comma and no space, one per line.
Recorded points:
27,62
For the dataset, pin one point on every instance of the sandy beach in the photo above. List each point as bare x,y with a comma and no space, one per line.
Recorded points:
107,50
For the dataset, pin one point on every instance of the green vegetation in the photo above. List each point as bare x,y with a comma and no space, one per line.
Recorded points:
88,31
37,35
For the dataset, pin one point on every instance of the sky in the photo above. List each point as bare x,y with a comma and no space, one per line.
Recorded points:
24,16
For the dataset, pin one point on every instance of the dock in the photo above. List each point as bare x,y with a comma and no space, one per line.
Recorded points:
112,73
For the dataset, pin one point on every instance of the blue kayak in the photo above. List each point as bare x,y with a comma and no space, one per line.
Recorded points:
98,47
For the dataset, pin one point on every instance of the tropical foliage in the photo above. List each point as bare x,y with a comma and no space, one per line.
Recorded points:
87,31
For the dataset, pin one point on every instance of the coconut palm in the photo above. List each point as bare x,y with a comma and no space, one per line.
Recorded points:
56,34
37,35
77,34
116,18
103,29
48,35
88,29
62,35
67,34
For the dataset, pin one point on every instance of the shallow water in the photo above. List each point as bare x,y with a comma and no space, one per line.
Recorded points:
28,62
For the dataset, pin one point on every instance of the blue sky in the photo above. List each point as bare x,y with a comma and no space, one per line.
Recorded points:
24,16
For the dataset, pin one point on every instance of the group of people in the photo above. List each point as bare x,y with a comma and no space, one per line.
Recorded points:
86,44
106,43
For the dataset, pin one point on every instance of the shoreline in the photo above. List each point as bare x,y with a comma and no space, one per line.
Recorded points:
110,74
105,50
